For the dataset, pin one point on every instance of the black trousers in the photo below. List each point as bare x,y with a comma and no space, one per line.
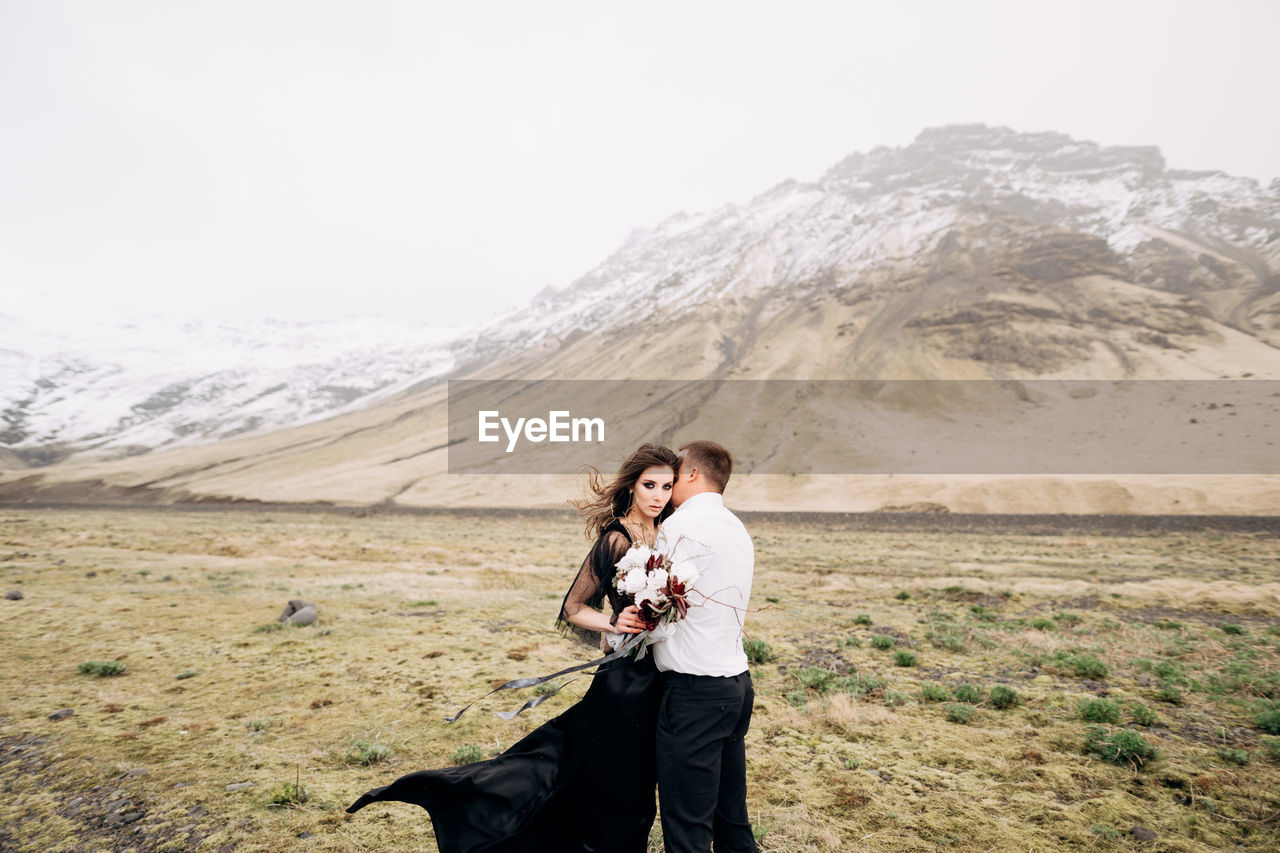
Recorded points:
702,763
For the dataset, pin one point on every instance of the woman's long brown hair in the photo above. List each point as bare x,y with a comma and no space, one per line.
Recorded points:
607,502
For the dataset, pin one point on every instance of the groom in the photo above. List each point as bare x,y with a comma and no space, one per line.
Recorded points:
707,694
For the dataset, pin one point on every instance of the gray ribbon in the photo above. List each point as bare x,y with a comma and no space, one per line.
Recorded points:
623,650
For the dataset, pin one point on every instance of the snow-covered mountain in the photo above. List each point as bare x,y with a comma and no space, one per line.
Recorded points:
889,210
972,249
123,386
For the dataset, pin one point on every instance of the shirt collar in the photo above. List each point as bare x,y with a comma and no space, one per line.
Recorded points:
702,499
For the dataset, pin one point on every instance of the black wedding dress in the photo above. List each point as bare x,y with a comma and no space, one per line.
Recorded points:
582,782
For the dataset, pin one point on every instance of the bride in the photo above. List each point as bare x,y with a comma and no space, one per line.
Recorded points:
583,781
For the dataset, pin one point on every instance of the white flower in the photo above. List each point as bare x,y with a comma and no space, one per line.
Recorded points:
635,558
658,579
649,594
686,572
633,581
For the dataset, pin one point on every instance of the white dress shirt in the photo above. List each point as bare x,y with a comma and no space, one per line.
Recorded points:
708,641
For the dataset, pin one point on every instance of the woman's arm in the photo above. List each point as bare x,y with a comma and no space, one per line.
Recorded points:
577,608
594,620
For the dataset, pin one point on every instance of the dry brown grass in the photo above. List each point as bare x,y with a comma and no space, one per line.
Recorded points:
420,615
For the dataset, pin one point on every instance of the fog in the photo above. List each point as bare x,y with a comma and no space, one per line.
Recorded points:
433,162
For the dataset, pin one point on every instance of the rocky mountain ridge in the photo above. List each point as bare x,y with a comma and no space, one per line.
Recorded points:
974,252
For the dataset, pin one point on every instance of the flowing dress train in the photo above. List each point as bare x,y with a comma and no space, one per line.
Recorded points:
583,781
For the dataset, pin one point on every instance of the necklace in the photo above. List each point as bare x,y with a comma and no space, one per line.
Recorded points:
639,531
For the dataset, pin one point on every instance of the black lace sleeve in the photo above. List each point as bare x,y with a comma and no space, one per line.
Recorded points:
594,581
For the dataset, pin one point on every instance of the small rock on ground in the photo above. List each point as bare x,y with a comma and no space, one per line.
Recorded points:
305,616
239,786
14,595
61,714
1143,834
293,607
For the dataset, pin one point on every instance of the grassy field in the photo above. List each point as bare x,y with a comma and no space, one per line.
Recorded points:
916,690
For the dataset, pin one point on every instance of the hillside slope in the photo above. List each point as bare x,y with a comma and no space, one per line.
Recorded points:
974,253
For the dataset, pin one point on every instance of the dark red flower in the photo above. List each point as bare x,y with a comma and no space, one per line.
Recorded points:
649,616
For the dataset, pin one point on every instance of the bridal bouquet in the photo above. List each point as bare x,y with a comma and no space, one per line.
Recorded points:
659,588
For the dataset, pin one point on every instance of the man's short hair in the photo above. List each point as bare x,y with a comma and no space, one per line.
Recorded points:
712,460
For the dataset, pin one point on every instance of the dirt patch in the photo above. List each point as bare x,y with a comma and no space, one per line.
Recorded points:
821,658
109,813
24,494
1083,602
969,596
1150,615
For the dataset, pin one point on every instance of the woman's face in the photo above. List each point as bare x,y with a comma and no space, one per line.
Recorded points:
652,490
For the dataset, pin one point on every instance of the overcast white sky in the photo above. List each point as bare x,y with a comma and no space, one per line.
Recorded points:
437,161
